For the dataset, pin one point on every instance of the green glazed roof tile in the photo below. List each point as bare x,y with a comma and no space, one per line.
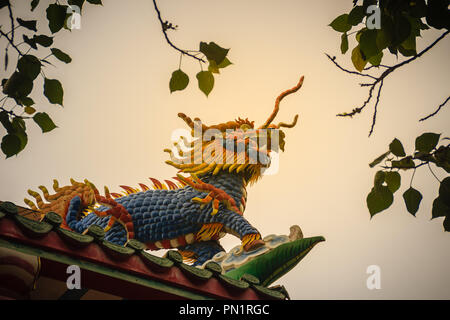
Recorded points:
214,267
197,273
53,218
156,263
116,251
74,238
8,208
251,279
136,245
268,293
233,283
281,289
175,256
2,214
33,228
96,231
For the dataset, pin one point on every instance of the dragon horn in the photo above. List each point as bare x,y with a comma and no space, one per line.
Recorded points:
278,100
287,125
191,123
186,119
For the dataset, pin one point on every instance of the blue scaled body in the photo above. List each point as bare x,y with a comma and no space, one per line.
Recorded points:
159,215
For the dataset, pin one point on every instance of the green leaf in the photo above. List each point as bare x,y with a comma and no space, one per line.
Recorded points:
29,24
440,209
383,39
379,199
427,142
44,122
340,24
56,15
29,110
4,120
357,59
205,81
396,148
402,30
95,2
437,14
376,60
53,91
213,67
344,43
43,40
379,179
19,130
29,65
30,42
179,81
405,163
446,223
18,86
410,43
60,55
34,4
11,145
368,43
356,16
225,63
412,199
406,52
26,101
379,159
393,180
444,191
78,3
213,52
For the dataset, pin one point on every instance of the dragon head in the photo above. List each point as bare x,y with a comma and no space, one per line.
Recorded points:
231,146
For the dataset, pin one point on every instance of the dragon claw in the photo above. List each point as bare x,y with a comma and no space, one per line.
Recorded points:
215,195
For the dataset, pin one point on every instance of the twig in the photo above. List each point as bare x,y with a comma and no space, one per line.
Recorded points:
375,110
358,110
11,42
13,114
437,110
12,22
378,66
412,177
433,173
380,80
348,71
167,38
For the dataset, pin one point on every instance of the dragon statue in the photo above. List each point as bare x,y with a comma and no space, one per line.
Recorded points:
205,201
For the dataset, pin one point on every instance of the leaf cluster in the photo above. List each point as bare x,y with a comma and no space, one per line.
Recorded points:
18,86
217,59
401,23
388,181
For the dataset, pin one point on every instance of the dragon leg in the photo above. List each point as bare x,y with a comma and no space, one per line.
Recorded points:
214,194
228,221
200,252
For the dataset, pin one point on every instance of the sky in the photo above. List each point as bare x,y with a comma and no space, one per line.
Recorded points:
119,115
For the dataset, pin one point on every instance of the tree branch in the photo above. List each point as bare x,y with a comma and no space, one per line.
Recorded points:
437,110
163,28
375,109
12,22
11,42
348,71
380,80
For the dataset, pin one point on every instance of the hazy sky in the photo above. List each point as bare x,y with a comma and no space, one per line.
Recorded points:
118,117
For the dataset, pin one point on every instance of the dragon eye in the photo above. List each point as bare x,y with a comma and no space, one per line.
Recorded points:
245,127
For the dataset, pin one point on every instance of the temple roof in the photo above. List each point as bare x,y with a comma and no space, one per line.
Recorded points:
129,272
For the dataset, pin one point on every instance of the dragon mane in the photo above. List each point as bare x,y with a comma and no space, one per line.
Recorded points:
230,146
